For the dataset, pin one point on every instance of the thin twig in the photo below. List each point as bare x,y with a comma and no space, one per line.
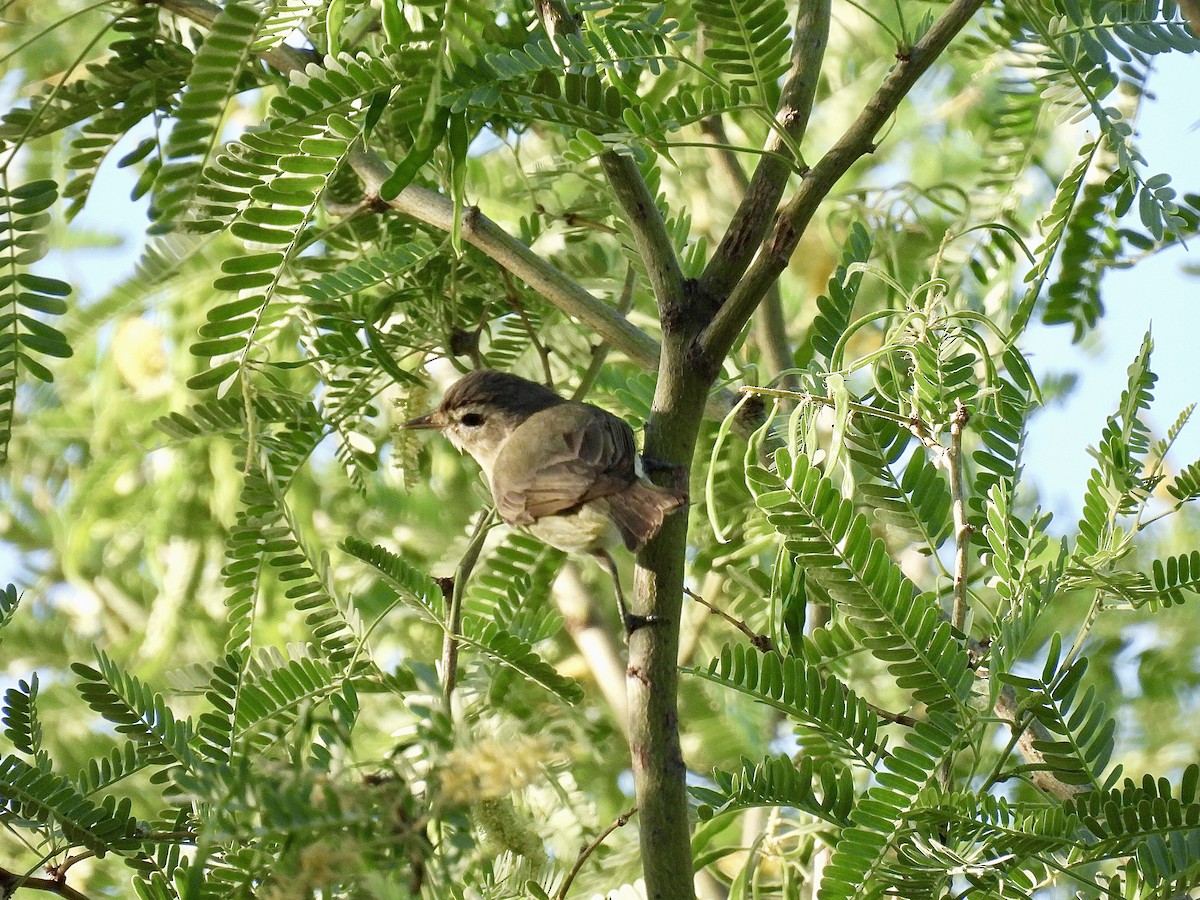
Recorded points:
921,432
60,871
514,303
752,220
590,848
761,642
888,716
855,142
645,221
454,612
962,528
601,350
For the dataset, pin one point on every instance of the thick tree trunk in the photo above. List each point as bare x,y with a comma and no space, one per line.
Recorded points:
652,676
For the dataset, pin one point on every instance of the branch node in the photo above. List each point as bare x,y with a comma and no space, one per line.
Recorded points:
471,218
961,415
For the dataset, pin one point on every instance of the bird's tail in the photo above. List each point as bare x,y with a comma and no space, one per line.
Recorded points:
639,510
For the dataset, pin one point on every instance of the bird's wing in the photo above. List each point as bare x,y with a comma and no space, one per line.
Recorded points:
560,458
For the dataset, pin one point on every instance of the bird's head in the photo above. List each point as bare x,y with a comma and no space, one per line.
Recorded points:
481,410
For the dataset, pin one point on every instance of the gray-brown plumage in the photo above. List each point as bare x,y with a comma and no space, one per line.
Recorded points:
566,472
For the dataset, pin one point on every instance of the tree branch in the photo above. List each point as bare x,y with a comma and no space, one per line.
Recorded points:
962,528
630,188
821,400
652,679
482,233
11,882
770,326
454,608
649,231
761,642
594,640
757,210
589,849
1025,734
853,144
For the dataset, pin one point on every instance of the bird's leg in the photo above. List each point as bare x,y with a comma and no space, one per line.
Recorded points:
630,621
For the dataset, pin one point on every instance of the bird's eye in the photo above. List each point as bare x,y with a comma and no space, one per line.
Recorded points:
472,420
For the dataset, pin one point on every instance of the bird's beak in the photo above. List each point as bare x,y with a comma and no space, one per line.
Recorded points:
433,420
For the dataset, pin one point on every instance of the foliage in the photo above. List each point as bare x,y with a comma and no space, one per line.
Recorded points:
256,647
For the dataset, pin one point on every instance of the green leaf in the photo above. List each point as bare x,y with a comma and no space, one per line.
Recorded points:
212,377
517,654
215,79
21,220
427,141
47,798
749,43
901,626
801,692
19,715
412,585
859,864
825,791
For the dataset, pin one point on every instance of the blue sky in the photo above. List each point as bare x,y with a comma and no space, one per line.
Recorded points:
1155,294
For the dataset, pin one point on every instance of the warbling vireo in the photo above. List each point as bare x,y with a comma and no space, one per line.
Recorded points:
566,472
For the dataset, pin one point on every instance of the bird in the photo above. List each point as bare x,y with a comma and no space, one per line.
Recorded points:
564,471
